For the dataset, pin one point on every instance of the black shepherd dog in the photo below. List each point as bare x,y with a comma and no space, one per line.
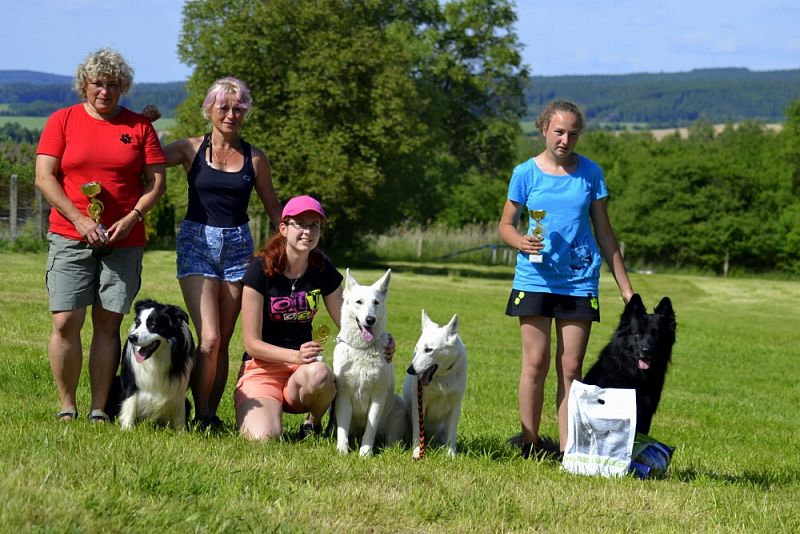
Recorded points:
637,356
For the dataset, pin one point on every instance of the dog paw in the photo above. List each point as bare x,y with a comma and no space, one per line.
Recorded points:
451,452
415,454
365,450
342,449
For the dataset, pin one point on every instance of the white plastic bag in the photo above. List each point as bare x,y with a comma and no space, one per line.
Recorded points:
601,429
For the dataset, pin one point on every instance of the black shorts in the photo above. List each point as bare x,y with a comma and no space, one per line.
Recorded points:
526,303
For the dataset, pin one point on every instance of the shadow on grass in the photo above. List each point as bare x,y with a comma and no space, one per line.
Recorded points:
762,480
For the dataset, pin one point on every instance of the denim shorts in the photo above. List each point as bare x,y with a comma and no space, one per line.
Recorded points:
211,252
78,275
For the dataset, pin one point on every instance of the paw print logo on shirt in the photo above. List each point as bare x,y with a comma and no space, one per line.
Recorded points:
125,138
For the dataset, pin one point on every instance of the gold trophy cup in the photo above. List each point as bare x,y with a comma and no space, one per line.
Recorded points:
320,335
538,232
95,207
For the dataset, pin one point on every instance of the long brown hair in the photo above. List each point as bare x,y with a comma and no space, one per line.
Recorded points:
274,254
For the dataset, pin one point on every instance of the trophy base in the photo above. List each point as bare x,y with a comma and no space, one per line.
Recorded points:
536,258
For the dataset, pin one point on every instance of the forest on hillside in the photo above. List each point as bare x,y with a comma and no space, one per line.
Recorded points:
661,100
670,100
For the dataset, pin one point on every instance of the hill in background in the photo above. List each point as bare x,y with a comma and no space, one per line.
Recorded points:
32,77
668,100
646,100
26,93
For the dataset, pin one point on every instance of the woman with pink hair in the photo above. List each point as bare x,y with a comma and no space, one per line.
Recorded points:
214,244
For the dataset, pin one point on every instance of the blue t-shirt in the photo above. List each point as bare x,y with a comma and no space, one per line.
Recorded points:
571,258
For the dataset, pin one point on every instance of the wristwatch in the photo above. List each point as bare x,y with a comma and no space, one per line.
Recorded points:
139,216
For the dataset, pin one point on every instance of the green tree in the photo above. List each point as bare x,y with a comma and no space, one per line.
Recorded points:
381,108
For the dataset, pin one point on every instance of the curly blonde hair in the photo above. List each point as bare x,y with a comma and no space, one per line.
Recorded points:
104,64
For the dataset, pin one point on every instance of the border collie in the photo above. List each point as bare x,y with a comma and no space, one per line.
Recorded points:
157,360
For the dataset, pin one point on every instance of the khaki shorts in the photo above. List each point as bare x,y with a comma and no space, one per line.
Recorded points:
78,275
265,380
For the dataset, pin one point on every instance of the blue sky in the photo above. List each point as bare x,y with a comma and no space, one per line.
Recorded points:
578,37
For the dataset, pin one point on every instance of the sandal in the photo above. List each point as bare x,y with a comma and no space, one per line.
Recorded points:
67,415
98,416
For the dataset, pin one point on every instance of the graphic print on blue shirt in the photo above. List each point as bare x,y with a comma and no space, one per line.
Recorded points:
580,255
300,307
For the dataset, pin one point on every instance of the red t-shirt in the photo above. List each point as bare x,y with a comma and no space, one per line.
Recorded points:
112,152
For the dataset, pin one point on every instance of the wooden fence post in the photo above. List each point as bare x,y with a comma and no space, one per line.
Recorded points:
37,209
12,208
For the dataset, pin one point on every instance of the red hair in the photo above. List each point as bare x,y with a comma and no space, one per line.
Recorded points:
274,254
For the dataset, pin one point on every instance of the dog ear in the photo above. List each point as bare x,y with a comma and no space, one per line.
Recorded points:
664,309
634,307
452,326
383,281
349,281
177,315
426,321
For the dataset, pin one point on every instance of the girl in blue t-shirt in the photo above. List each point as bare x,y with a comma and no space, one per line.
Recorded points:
558,263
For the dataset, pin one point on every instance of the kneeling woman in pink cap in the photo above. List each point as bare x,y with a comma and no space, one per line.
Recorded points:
284,286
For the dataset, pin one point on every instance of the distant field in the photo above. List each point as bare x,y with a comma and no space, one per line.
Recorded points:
37,123
31,123
529,128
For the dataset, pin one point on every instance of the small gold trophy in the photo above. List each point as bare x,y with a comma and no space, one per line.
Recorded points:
538,232
95,207
320,335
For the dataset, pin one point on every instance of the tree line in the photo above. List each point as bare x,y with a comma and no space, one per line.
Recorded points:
41,99
668,100
407,112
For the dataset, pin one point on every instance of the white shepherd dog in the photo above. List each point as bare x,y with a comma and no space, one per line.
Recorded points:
440,365
365,398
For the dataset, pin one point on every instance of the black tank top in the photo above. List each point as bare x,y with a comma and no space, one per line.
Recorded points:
219,198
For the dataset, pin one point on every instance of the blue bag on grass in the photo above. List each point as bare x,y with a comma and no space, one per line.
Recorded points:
651,458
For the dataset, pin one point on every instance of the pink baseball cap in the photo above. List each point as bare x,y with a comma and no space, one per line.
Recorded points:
298,205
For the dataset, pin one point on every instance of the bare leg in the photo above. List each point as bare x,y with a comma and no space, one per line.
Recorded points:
312,387
104,353
201,296
230,303
572,339
535,333
260,418
66,357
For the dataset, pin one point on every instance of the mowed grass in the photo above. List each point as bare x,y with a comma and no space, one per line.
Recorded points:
730,408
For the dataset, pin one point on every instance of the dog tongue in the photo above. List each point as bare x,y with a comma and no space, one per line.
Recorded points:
366,335
644,365
144,352
427,376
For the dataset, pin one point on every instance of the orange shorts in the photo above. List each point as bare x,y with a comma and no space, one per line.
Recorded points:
265,380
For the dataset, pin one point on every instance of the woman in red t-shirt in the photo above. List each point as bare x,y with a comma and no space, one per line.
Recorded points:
101,167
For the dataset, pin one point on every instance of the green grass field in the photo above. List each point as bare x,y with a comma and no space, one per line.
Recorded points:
730,408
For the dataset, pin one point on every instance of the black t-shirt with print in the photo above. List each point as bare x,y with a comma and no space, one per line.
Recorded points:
288,315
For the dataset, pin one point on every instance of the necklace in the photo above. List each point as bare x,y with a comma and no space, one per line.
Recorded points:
222,155
294,283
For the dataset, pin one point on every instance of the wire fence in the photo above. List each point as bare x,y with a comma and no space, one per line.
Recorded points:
23,210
